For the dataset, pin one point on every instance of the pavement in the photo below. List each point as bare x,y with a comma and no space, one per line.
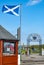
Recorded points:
33,59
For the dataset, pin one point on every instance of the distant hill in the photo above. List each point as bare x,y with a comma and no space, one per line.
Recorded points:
35,46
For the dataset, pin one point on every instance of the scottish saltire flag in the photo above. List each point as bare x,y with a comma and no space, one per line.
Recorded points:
14,10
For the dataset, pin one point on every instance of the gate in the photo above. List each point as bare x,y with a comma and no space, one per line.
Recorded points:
34,38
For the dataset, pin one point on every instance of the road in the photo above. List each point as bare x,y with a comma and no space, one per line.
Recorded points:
32,60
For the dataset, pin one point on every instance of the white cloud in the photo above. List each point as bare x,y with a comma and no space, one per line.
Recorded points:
33,2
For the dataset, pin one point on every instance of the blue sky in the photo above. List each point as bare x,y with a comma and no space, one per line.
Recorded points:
32,18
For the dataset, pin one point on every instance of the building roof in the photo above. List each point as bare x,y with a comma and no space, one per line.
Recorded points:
4,34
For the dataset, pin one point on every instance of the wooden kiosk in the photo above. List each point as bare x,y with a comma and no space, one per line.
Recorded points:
8,48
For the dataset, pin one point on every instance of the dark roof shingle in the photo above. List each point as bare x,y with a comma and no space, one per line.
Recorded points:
4,34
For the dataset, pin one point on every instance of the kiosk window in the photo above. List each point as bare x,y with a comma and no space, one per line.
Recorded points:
9,48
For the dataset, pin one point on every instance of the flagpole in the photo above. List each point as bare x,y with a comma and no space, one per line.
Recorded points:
20,33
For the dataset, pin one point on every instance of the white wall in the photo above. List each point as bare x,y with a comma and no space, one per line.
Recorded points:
18,59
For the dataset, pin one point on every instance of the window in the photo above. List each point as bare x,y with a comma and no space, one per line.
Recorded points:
9,48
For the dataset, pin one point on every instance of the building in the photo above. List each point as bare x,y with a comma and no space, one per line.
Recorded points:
8,48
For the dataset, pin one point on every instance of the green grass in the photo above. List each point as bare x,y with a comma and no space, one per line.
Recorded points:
36,47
